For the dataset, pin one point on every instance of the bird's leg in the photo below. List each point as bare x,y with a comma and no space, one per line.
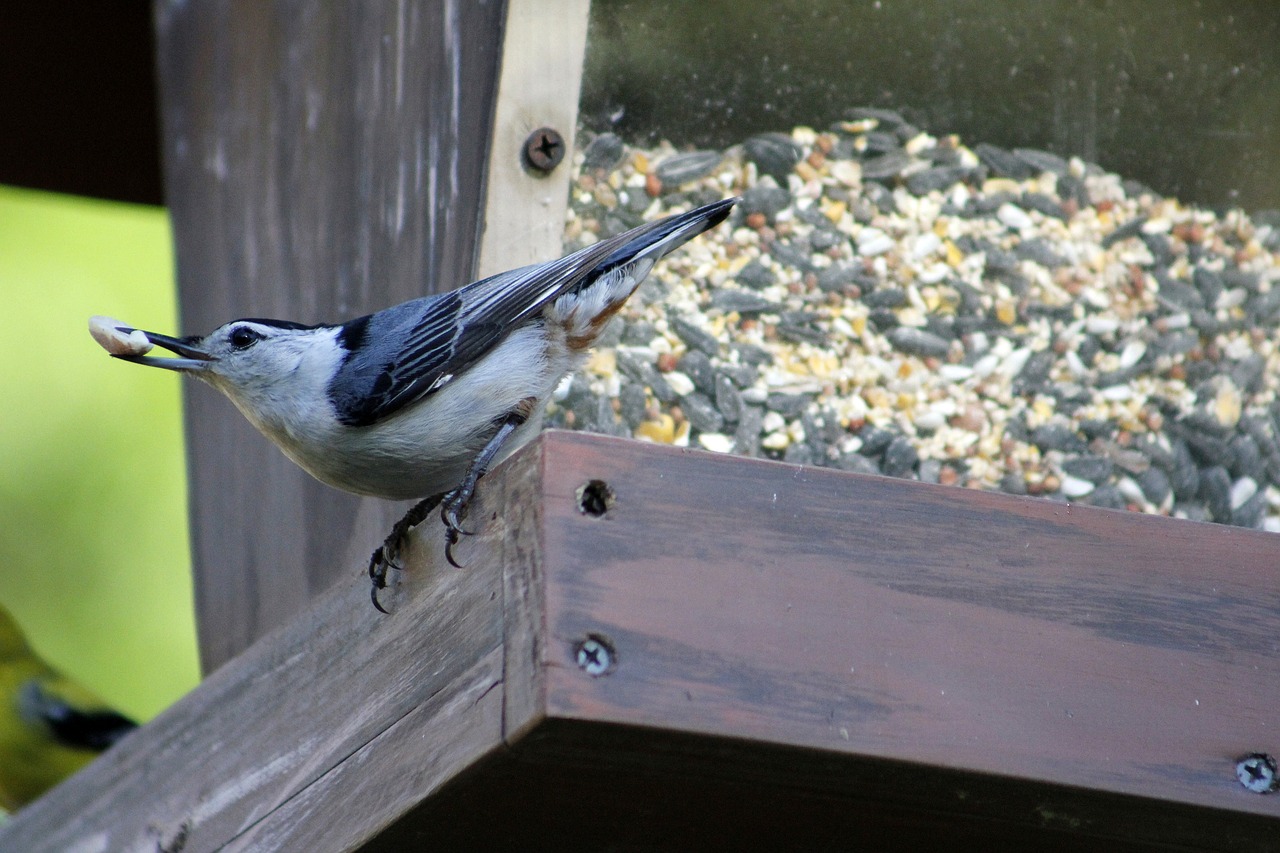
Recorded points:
387,555
454,507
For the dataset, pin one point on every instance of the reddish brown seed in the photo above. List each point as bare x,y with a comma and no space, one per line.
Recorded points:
1189,232
973,418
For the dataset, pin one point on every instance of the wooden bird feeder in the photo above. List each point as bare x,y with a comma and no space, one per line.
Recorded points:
646,647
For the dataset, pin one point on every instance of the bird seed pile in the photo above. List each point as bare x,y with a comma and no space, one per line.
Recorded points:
891,302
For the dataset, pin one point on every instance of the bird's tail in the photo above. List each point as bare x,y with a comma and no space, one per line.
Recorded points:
584,310
655,240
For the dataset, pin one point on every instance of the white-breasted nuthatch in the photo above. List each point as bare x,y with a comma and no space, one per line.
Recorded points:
420,399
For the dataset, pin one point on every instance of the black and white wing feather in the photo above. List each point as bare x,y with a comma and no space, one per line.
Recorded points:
400,355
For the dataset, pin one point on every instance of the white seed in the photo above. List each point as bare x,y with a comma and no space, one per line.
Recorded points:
680,382
716,442
1242,490
110,335
1074,487
776,441
1097,325
1014,217
1132,354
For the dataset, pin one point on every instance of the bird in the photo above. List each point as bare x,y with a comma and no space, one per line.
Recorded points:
50,726
419,400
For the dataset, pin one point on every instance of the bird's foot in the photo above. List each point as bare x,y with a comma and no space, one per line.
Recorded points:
455,503
384,558
387,555
452,510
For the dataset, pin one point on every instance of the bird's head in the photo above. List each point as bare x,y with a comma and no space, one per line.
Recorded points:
264,366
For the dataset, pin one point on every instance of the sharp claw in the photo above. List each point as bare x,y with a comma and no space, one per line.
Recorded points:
452,513
451,539
388,553
454,504
378,565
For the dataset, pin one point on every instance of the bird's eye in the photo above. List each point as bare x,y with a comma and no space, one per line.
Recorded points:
243,337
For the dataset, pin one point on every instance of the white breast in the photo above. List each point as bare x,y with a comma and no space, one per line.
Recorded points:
425,448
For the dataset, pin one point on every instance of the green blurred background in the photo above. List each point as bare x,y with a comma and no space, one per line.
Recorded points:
93,539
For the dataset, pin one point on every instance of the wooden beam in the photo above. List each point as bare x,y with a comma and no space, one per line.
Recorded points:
322,160
538,88
799,656
341,712
1121,655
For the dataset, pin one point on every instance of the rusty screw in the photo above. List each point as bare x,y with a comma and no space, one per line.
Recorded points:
1257,772
595,656
544,149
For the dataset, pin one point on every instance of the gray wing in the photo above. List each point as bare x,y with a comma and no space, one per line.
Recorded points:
400,355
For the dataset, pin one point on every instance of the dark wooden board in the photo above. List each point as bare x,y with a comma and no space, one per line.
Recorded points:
578,785
322,160
866,616
804,658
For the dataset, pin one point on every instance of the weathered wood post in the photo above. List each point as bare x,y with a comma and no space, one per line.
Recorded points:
321,161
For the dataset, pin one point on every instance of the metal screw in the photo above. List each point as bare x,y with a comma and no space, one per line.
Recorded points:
595,656
1257,772
544,149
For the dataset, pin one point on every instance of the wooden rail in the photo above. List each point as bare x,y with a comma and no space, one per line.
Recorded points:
788,657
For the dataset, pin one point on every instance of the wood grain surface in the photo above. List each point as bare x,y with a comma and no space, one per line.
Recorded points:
946,628
801,658
524,209
328,729
322,160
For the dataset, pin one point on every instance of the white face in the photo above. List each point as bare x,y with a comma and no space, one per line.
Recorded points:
246,354
273,373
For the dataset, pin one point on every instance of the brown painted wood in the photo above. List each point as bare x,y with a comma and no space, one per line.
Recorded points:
577,785
322,160
808,659
804,658
866,616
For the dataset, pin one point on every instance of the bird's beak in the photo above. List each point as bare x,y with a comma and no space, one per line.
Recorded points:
193,358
